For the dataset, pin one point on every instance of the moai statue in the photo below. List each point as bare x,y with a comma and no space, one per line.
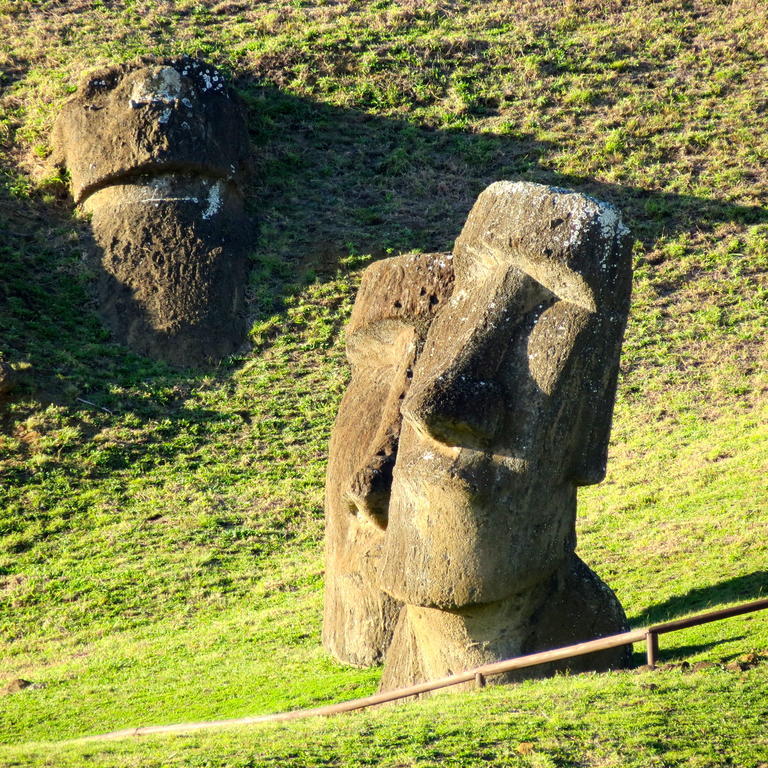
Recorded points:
156,154
508,412
397,300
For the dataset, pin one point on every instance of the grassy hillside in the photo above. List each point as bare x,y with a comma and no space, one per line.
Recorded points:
160,531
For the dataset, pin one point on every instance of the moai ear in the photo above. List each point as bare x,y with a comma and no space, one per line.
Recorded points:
602,347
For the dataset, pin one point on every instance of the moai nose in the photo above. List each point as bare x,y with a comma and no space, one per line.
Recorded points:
461,405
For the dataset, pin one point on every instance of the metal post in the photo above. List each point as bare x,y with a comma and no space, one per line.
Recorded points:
651,647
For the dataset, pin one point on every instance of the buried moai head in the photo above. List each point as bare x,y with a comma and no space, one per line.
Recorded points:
508,411
156,154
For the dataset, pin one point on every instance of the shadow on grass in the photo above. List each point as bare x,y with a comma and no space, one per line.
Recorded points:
333,188
750,586
331,182
683,652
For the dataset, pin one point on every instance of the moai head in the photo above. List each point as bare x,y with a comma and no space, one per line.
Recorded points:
451,494
510,404
397,300
156,154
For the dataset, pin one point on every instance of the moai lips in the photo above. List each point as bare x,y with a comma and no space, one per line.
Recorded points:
156,155
397,300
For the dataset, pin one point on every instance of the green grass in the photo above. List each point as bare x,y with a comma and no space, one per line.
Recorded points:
623,720
160,530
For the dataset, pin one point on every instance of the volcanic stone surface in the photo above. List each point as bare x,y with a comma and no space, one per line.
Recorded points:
397,300
508,411
156,154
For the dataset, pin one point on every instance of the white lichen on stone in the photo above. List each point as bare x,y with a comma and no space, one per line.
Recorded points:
162,86
215,200
611,228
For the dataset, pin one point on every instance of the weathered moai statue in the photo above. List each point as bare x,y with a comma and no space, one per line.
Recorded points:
508,412
156,154
397,300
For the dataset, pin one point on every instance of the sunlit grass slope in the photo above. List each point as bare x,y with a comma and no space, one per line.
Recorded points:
160,530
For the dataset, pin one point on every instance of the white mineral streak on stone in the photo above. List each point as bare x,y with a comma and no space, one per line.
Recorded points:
162,87
214,200
611,228
153,191
168,200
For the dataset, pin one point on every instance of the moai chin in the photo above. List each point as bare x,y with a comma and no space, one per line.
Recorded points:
156,154
507,413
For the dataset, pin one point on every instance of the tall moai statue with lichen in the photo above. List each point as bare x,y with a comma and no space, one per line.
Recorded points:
507,412
156,153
